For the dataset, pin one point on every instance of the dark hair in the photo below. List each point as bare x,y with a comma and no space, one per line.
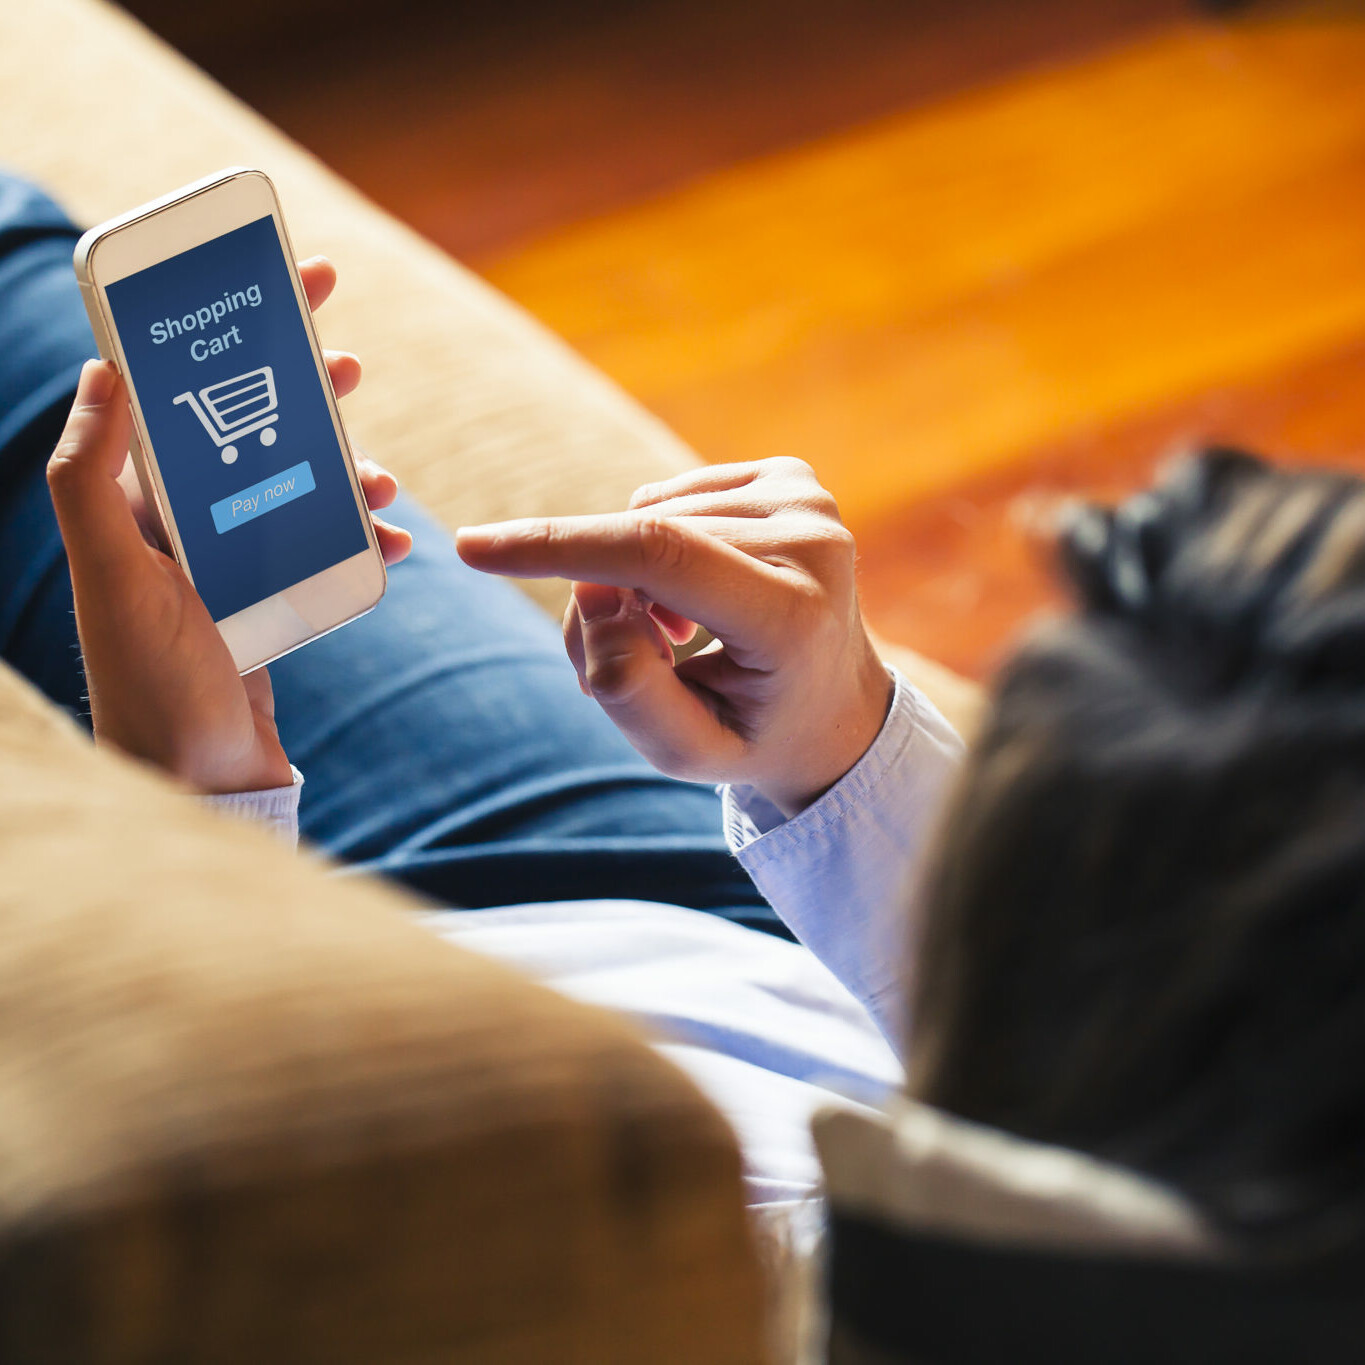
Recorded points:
1145,932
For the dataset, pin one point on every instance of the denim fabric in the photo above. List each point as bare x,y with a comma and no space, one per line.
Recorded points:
443,737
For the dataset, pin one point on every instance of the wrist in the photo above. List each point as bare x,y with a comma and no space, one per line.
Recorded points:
264,767
202,766
842,743
269,774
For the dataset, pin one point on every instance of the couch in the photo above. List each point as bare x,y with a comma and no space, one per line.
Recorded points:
249,1112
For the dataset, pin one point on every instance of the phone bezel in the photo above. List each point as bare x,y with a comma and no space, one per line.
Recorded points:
166,227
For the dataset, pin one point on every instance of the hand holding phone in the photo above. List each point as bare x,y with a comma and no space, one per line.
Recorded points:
164,686
242,459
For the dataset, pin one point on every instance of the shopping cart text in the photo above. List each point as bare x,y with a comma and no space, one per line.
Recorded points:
206,316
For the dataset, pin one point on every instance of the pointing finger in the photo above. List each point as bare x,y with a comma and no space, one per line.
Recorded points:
675,563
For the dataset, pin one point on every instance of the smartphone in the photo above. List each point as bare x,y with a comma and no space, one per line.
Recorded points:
239,445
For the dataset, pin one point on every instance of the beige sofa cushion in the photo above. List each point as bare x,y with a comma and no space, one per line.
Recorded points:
252,1113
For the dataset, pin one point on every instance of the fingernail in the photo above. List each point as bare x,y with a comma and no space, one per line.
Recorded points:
97,384
597,602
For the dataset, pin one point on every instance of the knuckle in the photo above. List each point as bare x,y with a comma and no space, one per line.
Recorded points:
662,544
545,537
822,548
834,540
614,676
63,466
821,501
807,601
787,467
807,609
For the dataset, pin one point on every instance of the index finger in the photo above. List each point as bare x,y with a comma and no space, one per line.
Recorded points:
676,564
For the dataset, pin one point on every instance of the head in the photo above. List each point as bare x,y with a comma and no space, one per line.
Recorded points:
1145,931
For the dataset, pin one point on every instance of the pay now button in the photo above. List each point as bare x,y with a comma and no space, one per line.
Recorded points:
262,497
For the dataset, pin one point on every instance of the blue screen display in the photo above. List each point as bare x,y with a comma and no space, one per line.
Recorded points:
239,424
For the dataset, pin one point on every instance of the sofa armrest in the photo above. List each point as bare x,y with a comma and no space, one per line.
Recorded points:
253,1113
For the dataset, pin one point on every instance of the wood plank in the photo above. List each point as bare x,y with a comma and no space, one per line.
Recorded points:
956,312
484,124
959,575
932,298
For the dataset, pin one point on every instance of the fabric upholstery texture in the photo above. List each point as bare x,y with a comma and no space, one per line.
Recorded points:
249,1111
252,1113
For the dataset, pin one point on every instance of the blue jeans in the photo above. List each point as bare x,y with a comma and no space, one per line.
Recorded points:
443,737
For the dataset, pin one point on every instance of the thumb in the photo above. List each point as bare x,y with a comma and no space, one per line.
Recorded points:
628,667
96,521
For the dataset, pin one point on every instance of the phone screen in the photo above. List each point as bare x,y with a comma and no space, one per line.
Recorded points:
220,359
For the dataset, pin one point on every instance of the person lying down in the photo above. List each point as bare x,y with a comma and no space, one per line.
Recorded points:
1125,921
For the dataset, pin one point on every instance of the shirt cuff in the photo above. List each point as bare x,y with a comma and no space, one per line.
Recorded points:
844,874
276,808
748,815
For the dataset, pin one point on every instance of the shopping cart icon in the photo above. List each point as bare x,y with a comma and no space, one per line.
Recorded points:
233,408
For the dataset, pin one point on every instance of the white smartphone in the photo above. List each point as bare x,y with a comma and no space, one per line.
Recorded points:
239,445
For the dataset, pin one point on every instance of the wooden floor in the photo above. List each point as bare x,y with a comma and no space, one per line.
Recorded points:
485,125
957,313
960,307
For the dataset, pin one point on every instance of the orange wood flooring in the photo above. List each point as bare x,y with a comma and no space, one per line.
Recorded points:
1040,288
958,311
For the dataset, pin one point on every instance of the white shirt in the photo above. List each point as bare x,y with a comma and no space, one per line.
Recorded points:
770,1030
